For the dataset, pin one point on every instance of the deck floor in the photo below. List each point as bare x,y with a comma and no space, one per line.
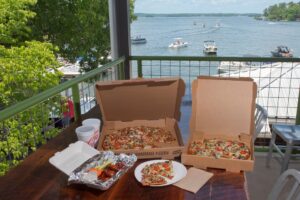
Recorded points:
262,179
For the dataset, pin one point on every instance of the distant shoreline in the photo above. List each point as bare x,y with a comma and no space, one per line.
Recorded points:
196,14
263,18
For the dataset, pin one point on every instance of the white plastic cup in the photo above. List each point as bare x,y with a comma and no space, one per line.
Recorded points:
85,134
96,124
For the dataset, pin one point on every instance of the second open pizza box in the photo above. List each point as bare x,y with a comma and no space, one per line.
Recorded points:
141,116
222,124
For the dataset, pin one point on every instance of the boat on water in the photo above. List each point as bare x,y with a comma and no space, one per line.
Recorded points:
178,43
210,47
138,40
230,66
282,51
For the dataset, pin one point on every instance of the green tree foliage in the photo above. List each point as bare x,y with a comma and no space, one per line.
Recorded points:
27,67
14,15
18,140
283,11
133,17
26,70
79,28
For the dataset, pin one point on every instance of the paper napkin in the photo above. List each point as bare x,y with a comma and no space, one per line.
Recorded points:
194,179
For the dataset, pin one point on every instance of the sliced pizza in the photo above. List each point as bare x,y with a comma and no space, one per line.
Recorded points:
137,138
158,169
148,180
220,149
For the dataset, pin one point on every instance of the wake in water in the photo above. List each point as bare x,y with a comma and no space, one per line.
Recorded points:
190,32
211,30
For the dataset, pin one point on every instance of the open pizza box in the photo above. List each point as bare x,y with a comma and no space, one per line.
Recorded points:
222,108
142,102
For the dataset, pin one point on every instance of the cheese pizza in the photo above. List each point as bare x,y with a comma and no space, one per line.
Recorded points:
137,138
220,149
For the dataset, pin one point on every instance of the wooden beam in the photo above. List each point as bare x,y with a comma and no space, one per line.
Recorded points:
120,32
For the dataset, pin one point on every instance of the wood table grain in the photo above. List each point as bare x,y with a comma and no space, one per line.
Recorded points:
36,178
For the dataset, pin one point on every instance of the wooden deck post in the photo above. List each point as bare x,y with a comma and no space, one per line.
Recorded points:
120,32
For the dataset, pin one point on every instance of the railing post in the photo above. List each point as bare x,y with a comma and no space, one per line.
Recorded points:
298,111
76,99
140,68
121,72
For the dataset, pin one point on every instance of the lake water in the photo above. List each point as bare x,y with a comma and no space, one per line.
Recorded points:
236,36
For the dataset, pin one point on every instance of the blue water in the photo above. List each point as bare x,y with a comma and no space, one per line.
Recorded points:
236,36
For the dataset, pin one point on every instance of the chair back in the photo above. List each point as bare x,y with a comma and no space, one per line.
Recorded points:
260,119
287,186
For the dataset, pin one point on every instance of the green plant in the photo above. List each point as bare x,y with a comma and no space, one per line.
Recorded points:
283,11
20,139
27,67
79,28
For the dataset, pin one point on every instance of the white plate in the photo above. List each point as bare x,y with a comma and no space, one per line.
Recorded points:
178,168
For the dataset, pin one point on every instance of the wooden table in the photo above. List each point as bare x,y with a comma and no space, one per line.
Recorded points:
36,178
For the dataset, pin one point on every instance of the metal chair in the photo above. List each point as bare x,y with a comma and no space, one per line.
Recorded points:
260,119
290,134
287,186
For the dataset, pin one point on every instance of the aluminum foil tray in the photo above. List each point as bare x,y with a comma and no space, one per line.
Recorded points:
94,172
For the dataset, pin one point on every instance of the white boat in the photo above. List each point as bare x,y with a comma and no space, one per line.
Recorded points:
178,43
210,47
138,40
230,66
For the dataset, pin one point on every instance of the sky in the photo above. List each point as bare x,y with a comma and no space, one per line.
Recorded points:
204,6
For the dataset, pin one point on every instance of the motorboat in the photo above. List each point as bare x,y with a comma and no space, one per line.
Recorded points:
210,47
230,66
282,51
138,40
217,25
178,43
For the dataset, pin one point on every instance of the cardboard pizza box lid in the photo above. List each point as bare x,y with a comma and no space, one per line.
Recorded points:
147,99
223,106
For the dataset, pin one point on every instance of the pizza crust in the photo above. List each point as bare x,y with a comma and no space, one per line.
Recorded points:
153,180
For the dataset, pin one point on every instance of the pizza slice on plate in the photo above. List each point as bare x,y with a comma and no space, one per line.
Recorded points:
148,180
157,171
167,169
